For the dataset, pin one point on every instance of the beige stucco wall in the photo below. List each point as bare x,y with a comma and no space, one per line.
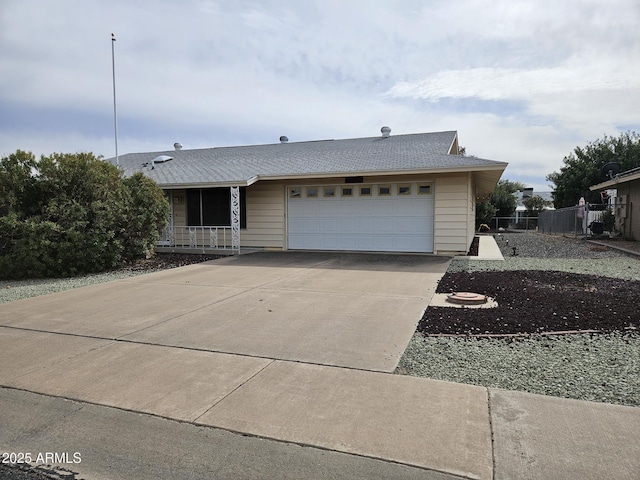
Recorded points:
454,218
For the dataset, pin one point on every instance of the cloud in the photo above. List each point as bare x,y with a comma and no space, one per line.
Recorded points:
521,81
519,84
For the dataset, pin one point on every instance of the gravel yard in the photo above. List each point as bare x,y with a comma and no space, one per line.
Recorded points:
552,284
11,290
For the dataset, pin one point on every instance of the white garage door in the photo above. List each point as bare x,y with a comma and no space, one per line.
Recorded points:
368,217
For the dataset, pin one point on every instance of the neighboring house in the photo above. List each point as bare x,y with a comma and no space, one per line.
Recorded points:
521,196
404,193
627,200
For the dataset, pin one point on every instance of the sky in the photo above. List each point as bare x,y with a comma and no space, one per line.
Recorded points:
522,82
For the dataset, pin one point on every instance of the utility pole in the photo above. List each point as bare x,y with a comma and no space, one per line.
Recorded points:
115,112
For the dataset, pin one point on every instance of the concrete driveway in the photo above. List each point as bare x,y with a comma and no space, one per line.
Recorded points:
350,310
277,346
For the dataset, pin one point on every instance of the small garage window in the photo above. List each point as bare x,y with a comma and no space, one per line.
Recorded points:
404,189
329,192
312,192
295,192
347,192
424,189
365,191
384,190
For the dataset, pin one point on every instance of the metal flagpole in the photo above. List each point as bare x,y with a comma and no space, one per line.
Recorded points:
115,112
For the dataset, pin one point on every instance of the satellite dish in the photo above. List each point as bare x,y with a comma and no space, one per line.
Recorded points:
611,169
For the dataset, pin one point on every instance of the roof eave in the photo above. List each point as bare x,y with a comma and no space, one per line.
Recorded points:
181,186
371,173
615,181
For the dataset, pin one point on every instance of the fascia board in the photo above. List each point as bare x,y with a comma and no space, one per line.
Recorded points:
615,181
478,168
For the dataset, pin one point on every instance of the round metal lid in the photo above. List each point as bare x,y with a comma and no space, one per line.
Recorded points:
467,298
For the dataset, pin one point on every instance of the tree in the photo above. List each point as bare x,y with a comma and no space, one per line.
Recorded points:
536,204
73,213
16,182
504,200
502,203
484,213
583,167
510,186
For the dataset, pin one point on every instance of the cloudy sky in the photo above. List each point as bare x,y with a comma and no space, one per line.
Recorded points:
521,81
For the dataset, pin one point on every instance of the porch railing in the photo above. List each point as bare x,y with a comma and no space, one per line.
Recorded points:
204,238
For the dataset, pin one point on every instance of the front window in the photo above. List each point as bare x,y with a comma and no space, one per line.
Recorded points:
211,207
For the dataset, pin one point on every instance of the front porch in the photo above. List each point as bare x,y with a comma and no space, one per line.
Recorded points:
196,239
193,235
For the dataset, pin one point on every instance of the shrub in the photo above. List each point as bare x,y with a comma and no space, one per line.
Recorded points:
147,213
73,213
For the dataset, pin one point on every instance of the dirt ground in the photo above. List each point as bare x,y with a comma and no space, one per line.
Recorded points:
535,302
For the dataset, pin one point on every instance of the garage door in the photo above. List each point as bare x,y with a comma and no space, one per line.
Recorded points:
367,217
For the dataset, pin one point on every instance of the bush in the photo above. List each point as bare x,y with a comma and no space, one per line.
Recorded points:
146,215
80,215
484,213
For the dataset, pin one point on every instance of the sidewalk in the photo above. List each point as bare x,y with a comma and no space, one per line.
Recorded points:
437,426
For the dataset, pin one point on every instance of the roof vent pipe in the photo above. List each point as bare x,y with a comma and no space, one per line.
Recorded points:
283,139
177,146
385,132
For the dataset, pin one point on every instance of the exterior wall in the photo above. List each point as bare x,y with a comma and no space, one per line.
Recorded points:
179,207
632,221
454,219
452,214
471,212
265,216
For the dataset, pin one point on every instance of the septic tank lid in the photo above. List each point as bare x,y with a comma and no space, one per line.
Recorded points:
467,298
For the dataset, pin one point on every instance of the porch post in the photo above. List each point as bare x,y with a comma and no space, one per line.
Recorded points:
235,218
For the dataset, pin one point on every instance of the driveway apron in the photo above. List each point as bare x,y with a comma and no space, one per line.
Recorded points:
349,310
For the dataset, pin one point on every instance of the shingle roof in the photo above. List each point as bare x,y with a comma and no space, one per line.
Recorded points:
243,165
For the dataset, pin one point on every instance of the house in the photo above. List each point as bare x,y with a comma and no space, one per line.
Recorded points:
627,194
403,193
522,195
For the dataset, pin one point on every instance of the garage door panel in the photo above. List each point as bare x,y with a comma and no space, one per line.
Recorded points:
330,225
385,207
387,223
331,208
346,226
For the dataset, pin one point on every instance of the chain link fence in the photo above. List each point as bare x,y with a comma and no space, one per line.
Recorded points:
520,223
581,220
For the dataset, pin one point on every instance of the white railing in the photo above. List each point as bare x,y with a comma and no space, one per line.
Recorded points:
205,238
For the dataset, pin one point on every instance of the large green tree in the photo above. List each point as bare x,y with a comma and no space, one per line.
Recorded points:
536,204
502,203
68,214
583,167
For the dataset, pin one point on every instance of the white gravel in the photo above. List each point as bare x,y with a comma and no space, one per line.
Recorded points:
11,290
536,251
603,368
